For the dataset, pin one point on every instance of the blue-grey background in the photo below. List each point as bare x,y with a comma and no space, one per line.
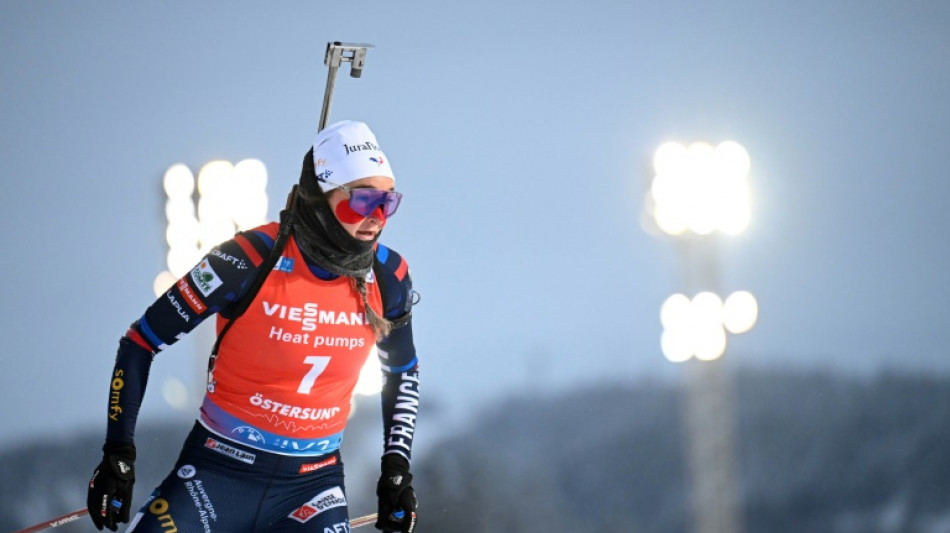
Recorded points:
521,134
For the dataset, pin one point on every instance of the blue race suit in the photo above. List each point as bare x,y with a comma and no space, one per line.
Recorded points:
249,465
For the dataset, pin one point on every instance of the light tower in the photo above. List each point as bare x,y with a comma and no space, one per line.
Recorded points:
698,193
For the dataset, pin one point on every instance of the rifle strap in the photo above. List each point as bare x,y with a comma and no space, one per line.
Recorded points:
283,233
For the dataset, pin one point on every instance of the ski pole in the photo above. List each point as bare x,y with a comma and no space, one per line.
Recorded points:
363,520
55,522
338,53
79,513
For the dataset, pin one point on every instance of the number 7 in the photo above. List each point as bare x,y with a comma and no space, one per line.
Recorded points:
319,363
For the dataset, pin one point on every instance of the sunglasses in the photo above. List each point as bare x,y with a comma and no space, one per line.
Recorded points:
365,200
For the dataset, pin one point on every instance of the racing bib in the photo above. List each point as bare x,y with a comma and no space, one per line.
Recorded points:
286,369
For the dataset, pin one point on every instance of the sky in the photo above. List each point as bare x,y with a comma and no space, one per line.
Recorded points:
521,134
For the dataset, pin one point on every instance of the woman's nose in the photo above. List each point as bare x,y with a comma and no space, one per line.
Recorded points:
378,214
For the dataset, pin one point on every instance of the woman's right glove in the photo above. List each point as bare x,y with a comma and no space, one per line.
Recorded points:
397,499
109,499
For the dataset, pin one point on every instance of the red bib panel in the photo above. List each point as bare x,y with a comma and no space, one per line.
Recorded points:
286,369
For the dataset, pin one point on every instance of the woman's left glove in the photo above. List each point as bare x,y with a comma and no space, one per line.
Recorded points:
110,490
397,499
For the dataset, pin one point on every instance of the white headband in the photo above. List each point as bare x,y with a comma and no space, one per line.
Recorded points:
347,151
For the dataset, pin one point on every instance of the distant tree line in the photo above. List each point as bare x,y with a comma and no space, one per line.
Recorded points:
817,453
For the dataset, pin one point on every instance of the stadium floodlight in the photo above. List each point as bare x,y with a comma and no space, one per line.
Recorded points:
696,191
230,198
178,182
697,327
700,189
740,312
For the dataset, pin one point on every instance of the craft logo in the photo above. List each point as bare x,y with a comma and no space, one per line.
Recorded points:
205,278
230,451
238,263
324,501
310,467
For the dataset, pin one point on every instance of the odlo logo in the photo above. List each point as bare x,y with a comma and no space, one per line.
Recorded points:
159,508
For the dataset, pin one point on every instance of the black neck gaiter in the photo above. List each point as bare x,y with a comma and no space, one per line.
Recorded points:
325,242
320,235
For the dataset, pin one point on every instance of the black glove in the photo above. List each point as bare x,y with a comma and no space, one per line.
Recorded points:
109,499
397,500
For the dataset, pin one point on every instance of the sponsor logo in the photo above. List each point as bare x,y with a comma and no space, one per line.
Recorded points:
310,315
305,445
116,394
206,511
324,176
329,499
368,145
249,434
187,472
178,308
124,467
238,263
303,514
159,508
193,301
278,334
378,160
293,411
339,527
205,278
324,501
348,342
61,521
284,264
230,451
311,467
